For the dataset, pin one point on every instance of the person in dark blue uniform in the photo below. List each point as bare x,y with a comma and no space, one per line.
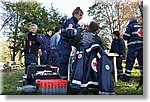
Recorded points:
54,47
44,49
69,30
134,37
118,46
90,35
32,44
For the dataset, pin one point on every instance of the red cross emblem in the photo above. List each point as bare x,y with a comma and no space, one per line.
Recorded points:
140,32
94,64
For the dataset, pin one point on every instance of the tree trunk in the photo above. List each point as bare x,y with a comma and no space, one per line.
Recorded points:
20,55
15,38
119,26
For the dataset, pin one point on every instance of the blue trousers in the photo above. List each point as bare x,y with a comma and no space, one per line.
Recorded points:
45,58
64,49
54,58
30,58
133,53
119,65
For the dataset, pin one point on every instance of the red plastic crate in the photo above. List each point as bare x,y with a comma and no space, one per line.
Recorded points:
52,86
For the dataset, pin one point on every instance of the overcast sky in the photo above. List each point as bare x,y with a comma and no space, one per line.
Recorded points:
67,6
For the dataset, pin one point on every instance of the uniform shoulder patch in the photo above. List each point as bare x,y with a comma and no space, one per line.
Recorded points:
140,32
70,25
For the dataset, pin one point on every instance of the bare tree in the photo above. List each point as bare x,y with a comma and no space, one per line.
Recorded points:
114,14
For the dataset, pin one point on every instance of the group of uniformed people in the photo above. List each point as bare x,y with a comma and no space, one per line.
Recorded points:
134,37
55,49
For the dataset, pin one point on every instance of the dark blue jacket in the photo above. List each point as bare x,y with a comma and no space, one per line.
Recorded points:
70,29
134,34
118,46
46,40
87,38
92,69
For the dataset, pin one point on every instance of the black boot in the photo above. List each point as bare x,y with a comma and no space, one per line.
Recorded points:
125,78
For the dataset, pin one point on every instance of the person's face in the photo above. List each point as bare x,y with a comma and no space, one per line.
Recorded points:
33,29
98,31
49,33
60,31
79,16
113,36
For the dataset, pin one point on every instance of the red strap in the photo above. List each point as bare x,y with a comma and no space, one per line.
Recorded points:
30,42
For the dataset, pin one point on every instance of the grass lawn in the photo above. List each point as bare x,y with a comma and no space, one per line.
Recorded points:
13,79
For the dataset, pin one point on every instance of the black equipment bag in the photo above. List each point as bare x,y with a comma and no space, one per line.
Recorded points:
35,72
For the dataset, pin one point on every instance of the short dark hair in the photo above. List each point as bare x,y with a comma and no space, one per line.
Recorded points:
116,33
76,11
48,29
57,28
93,26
